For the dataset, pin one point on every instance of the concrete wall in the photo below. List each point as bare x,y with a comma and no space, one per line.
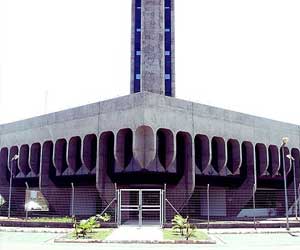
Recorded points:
152,110
155,125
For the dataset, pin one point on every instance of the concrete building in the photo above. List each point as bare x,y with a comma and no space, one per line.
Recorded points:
148,140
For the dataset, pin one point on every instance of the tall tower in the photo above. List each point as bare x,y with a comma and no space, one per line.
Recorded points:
152,47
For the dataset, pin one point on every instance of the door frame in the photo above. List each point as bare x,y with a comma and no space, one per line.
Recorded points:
140,208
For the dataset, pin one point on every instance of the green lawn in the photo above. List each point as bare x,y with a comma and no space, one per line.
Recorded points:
99,234
51,219
169,234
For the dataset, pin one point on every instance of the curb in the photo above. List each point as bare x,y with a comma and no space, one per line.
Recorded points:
256,232
137,241
68,230
21,223
241,225
35,230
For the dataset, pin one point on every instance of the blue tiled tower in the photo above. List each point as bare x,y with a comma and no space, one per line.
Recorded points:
152,53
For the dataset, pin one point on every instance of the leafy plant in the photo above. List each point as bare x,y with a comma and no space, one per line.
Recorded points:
182,224
189,229
86,226
105,217
178,223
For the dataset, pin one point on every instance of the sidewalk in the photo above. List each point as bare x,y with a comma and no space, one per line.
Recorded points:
253,231
150,232
272,225
35,229
261,223
130,233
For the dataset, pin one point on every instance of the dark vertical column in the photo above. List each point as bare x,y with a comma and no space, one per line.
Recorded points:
136,33
180,193
4,171
237,198
168,48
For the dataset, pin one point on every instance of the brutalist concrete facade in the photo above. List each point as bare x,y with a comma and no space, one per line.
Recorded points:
148,139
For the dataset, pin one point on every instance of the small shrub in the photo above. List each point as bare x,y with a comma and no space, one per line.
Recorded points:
84,227
189,229
182,224
178,223
105,217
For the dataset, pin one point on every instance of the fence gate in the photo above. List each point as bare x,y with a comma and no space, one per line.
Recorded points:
140,207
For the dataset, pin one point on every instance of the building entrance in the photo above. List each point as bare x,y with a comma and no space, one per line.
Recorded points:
140,207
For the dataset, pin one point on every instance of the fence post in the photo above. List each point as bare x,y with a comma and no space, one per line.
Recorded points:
254,205
299,198
161,210
140,208
72,200
164,203
285,185
295,185
9,195
207,194
26,211
116,203
15,158
119,207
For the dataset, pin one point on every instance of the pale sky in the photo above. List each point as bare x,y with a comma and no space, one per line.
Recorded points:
235,54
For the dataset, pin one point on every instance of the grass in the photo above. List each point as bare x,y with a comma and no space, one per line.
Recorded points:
51,219
99,234
169,234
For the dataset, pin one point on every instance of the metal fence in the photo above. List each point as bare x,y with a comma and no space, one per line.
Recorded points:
206,206
80,201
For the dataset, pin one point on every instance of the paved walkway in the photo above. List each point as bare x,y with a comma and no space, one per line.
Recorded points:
36,229
144,233
43,241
